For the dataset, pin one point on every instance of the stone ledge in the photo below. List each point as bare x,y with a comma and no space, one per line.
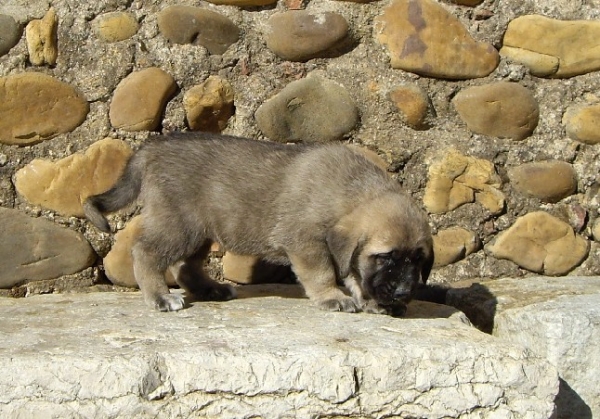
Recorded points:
108,355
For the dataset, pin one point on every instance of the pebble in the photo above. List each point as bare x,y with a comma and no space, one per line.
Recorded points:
412,103
62,186
422,37
140,99
299,35
115,26
503,109
583,123
41,35
540,242
198,26
549,181
36,107
208,106
456,180
551,47
10,33
33,249
118,264
453,244
326,104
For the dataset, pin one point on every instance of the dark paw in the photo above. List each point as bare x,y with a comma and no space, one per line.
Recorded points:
345,304
372,307
215,292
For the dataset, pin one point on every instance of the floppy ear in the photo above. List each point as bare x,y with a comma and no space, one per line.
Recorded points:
427,264
342,247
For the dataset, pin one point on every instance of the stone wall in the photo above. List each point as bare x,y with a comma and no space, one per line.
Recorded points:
487,112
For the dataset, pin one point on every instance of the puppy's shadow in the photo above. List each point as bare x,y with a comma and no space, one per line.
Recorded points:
270,290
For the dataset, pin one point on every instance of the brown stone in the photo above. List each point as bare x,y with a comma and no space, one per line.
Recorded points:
553,48
299,35
456,180
115,26
549,181
412,102
198,26
583,123
140,99
33,249
36,107
62,186
505,110
424,38
208,106
541,243
252,270
118,264
454,244
41,37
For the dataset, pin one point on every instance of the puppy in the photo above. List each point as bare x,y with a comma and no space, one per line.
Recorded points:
327,210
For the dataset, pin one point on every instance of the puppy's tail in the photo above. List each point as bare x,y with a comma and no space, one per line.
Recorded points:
123,193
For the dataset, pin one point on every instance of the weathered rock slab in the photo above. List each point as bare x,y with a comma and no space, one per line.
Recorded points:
558,318
259,355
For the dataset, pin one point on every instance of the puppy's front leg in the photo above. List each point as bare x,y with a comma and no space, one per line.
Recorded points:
317,276
151,279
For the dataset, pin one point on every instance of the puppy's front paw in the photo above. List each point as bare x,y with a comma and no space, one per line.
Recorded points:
220,292
169,302
344,304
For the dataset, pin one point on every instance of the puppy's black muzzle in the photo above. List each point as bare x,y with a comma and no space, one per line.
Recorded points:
394,287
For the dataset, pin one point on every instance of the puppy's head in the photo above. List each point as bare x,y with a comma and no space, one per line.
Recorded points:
386,243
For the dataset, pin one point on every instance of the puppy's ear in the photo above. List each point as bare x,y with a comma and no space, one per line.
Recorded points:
427,264
343,247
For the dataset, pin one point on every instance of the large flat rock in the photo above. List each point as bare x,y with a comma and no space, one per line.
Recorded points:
557,318
267,354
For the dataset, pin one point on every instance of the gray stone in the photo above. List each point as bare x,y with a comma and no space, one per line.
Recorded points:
313,109
10,33
260,356
198,26
36,249
557,318
299,35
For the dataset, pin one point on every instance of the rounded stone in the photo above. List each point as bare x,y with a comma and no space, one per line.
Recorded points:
34,249
454,244
252,270
551,47
64,185
583,123
208,106
313,109
299,35
36,107
540,242
596,230
412,103
115,26
503,109
10,33
41,35
118,263
140,99
549,181
198,26
424,38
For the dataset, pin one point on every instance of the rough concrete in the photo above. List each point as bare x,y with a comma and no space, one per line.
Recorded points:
265,355
557,318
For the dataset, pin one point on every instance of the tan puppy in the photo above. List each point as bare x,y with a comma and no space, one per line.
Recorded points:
328,211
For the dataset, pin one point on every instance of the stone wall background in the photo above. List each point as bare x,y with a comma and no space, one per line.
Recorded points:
509,172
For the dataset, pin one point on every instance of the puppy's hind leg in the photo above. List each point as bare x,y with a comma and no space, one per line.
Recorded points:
149,274
190,275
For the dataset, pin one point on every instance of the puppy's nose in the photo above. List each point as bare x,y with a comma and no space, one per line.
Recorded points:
402,293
